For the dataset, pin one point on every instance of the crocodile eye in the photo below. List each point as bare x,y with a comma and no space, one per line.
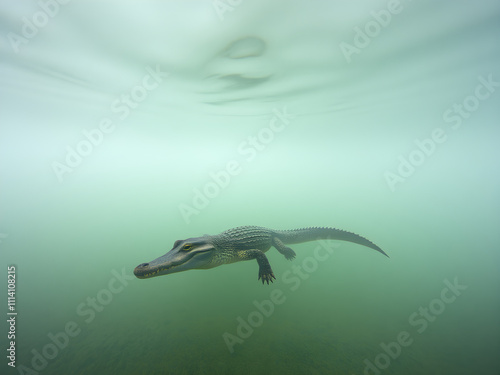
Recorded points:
187,247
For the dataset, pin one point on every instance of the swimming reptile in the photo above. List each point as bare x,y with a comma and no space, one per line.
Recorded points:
241,243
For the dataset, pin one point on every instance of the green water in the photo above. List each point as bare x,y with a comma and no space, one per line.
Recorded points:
204,120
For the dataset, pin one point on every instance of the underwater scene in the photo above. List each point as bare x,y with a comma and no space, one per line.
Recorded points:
250,187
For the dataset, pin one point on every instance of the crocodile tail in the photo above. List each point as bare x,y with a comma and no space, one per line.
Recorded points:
313,234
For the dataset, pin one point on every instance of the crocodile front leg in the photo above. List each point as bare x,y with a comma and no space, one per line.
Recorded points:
265,271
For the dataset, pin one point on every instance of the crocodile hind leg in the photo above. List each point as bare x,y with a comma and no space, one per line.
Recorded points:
283,249
265,271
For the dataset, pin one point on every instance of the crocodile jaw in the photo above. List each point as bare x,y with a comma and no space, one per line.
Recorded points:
174,261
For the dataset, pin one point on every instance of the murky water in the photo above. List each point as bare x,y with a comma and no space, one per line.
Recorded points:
128,126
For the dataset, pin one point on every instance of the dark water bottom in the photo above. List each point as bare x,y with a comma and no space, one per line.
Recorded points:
281,348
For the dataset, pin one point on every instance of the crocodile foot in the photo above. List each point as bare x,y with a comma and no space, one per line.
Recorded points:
266,275
283,249
289,253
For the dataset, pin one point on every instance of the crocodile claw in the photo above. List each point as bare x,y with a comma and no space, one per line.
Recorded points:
266,276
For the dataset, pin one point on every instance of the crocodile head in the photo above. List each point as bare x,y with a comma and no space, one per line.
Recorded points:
193,253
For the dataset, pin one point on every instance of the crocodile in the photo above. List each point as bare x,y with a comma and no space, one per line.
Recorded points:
237,244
